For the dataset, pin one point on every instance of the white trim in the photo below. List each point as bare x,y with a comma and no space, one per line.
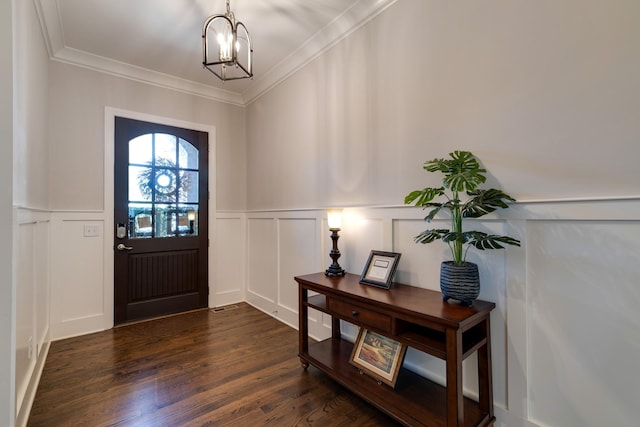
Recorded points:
109,163
23,412
212,214
345,24
49,16
144,75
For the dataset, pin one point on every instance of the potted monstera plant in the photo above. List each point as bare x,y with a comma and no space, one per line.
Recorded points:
461,197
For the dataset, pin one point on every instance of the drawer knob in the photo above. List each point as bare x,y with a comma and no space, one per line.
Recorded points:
354,313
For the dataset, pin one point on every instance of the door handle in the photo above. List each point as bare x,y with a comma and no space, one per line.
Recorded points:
122,247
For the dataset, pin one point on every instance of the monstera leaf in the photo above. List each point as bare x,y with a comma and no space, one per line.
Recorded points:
462,175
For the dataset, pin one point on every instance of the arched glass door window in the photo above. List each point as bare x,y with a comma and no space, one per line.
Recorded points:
163,186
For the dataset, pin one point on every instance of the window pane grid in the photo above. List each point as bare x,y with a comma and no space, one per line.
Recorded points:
163,192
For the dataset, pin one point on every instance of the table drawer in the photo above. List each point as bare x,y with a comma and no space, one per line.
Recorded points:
360,315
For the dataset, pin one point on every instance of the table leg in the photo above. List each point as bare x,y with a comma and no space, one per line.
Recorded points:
455,408
485,383
303,325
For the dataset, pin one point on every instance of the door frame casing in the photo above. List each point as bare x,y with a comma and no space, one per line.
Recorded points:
109,225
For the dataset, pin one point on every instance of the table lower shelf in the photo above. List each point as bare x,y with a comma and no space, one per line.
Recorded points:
414,401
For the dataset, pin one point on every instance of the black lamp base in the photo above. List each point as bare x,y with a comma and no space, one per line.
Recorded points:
334,271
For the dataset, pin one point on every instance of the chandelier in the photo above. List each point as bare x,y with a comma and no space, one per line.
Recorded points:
226,47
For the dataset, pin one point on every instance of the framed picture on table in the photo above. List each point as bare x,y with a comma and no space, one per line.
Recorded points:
380,268
378,356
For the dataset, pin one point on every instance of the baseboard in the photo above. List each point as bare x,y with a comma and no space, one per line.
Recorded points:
25,409
505,419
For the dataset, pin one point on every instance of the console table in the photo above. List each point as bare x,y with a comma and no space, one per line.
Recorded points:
413,316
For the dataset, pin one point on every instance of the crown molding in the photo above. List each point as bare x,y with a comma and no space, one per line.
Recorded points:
49,16
349,21
144,75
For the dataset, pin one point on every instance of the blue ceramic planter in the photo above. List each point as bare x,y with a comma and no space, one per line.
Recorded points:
459,282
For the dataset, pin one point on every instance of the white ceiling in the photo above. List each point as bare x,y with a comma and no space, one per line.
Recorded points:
159,41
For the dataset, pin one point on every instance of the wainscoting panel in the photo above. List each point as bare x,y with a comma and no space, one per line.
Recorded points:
82,270
32,305
565,337
26,314
297,249
79,302
227,266
584,293
41,274
565,328
81,275
282,245
420,266
262,258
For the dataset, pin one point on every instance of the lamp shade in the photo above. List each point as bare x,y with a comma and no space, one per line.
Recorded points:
334,218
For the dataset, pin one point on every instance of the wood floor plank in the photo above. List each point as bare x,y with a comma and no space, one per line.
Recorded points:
234,367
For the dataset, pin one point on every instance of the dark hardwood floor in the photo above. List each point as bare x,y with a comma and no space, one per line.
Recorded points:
233,367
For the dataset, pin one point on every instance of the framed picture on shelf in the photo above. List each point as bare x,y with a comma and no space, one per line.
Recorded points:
380,268
378,356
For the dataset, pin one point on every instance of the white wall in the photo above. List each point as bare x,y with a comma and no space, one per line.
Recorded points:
7,284
546,95
31,145
81,186
30,317
77,101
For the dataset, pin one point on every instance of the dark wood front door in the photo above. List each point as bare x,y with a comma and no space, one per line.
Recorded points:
160,216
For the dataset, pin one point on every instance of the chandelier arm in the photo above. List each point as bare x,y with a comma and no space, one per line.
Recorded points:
205,39
250,46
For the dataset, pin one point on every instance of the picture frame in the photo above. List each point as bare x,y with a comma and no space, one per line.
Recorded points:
378,356
380,268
